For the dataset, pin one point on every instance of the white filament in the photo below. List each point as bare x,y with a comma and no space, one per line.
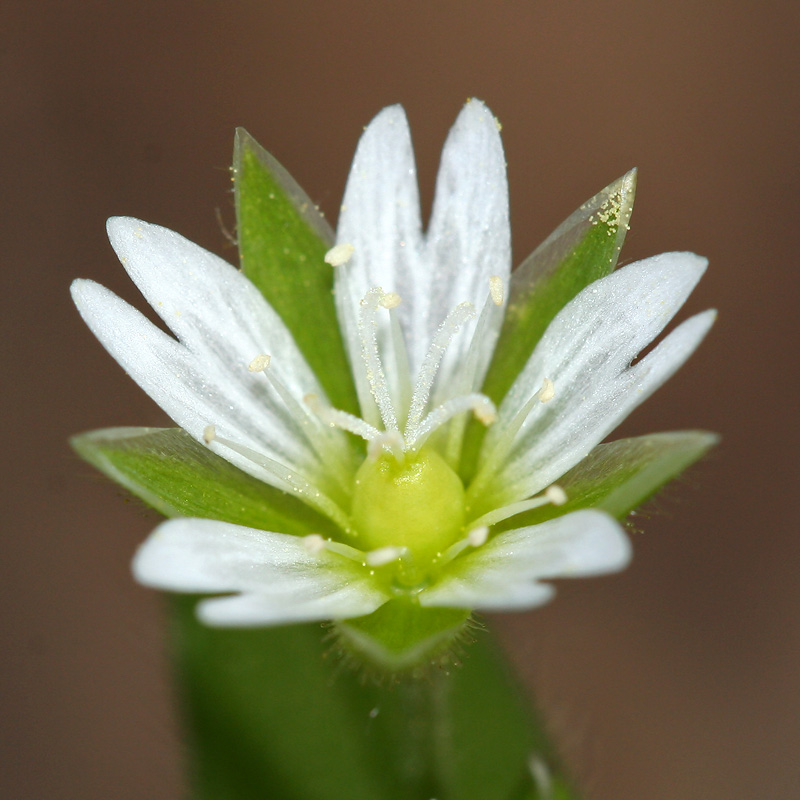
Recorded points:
480,405
367,329
290,481
430,365
480,347
497,453
554,495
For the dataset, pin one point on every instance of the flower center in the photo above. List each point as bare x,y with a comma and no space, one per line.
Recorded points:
416,503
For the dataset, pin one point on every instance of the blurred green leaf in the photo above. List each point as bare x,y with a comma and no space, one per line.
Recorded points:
282,241
177,476
274,714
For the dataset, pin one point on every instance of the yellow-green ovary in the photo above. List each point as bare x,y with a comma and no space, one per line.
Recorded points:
418,504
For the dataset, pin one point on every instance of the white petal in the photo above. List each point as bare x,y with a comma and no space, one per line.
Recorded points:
469,238
281,580
254,610
504,574
223,322
210,306
586,352
380,218
195,392
467,244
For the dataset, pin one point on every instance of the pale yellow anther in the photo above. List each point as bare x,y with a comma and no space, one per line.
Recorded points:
339,254
259,363
313,544
478,536
547,392
556,495
383,556
391,300
485,413
496,289
209,434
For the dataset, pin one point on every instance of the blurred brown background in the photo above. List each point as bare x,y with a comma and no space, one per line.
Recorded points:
677,679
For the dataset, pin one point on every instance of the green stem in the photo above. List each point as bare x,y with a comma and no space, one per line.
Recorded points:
274,714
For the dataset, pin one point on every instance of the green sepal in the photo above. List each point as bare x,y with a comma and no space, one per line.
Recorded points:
275,713
583,249
177,476
402,635
283,239
618,477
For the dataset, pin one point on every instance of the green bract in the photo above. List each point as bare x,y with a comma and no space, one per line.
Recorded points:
386,428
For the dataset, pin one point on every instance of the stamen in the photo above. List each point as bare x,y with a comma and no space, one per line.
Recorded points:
209,434
496,290
485,412
334,418
478,536
384,555
390,300
290,481
475,538
505,440
480,405
554,495
367,328
345,550
401,368
314,544
433,359
339,254
325,446
300,414
475,360
259,363
369,411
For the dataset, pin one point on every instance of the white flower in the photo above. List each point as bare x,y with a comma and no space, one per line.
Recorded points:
420,314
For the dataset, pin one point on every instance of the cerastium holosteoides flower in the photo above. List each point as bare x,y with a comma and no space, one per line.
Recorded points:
435,453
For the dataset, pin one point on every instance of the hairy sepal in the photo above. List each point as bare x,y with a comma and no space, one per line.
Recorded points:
402,637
